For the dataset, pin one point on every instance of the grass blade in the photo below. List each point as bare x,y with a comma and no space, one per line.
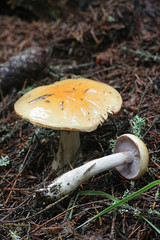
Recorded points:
122,201
151,224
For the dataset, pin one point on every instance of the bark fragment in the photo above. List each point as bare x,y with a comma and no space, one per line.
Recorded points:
26,64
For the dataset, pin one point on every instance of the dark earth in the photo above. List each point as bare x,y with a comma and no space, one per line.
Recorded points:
115,42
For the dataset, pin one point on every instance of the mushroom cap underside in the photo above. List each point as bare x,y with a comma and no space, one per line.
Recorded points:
130,142
72,104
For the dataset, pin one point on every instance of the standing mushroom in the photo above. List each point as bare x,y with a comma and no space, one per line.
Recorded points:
72,106
130,158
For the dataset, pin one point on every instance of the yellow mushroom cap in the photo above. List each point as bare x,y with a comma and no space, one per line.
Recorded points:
73,104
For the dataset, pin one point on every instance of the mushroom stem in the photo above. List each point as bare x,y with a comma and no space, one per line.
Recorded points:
69,181
69,147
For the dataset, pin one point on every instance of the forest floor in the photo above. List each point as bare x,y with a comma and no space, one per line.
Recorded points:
115,42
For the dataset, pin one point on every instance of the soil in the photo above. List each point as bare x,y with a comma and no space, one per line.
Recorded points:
115,42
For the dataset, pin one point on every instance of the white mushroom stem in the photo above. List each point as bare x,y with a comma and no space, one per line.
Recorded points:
69,147
130,158
69,181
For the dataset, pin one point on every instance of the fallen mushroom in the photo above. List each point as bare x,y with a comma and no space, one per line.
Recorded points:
130,158
72,106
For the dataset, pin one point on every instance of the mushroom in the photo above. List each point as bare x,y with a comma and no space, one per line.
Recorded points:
72,106
130,157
